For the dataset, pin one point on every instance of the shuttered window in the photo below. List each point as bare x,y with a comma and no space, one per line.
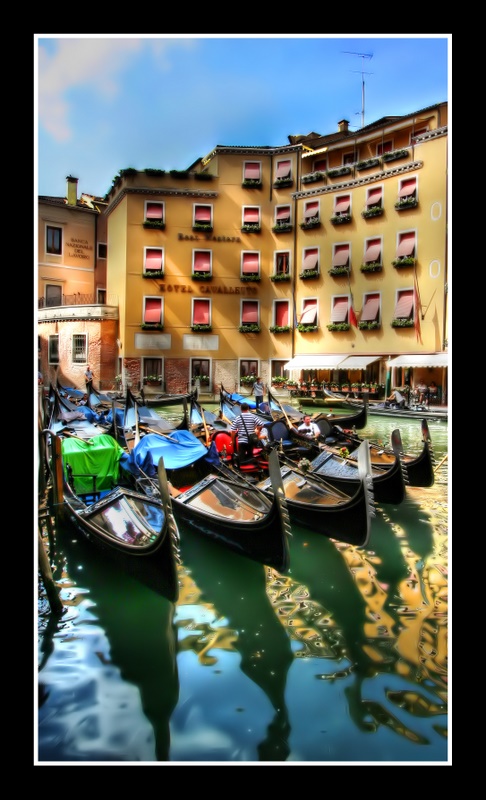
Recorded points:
154,211
252,171
342,204
153,309
406,245
371,308
311,258
404,306
153,259
251,215
203,214
201,312
282,312
309,313
311,210
341,256
282,214
375,197
340,309
250,264
283,169
373,251
202,261
408,187
249,312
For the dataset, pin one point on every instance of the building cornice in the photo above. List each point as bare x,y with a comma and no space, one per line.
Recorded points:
89,312
164,192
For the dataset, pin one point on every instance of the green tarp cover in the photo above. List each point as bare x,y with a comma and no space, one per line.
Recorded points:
99,456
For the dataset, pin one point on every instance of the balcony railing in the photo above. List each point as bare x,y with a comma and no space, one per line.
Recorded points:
77,299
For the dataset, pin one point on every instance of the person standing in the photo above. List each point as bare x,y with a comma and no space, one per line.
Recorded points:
258,389
88,377
243,426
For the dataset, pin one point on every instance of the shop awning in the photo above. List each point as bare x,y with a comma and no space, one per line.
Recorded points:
358,362
314,362
420,360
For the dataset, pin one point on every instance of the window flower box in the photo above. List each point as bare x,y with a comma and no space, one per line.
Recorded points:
248,380
252,183
309,273
153,273
313,222
291,384
369,325
283,183
338,272
203,379
394,155
338,326
156,224
251,228
368,163
345,387
201,328
406,202
280,329
153,380
279,277
253,328
250,278
371,266
306,328
278,380
152,326
339,172
313,177
400,322
284,227
202,226
201,276
406,261
373,211
341,219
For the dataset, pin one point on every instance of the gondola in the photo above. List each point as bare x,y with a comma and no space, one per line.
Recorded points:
64,415
165,399
214,500
358,419
320,507
123,524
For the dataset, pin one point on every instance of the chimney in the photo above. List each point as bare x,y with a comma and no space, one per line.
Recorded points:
72,190
343,126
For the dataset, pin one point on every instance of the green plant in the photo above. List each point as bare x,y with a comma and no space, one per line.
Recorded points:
291,383
312,222
394,154
336,271
203,176
154,223
200,328
153,273
312,177
406,202
369,325
125,173
280,328
278,380
202,226
201,276
248,379
336,173
344,452
369,162
372,211
371,266
282,182
309,273
252,183
340,219
251,227
153,378
304,465
280,276
152,326
401,322
179,173
284,227
306,328
338,326
253,328
155,172
404,261
254,278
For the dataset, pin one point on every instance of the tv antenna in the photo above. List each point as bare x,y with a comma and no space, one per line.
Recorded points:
363,73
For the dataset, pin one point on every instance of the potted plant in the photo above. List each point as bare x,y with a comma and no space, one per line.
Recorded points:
393,155
249,328
371,266
368,163
252,183
282,183
336,272
340,219
280,277
202,226
406,202
251,227
248,380
284,227
291,384
201,328
153,380
401,322
339,172
280,328
153,273
372,211
201,276
369,325
338,326
404,261
152,326
306,328
312,177
312,222
309,273
253,278
278,380
158,224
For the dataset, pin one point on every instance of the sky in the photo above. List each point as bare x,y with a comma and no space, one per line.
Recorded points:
106,102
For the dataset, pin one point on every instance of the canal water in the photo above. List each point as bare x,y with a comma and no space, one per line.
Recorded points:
343,660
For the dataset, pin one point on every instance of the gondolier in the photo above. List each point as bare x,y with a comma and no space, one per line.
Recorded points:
88,377
245,426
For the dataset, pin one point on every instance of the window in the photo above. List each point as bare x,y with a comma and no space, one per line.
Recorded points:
152,310
311,211
252,171
340,257
250,312
53,295
251,215
281,313
384,147
339,310
408,189
278,368
406,245
248,368
374,197
250,263
309,312
101,296
283,171
153,367
282,262
201,312
342,204
102,250
310,260
154,211
372,251
80,348
349,158
404,304
320,165
282,215
203,216
202,262
200,368
371,308
53,351
417,132
153,259
53,240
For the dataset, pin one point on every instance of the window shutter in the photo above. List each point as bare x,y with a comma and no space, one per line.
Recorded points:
153,310
340,310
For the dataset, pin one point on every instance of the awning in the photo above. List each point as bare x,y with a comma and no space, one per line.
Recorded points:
358,362
420,360
314,362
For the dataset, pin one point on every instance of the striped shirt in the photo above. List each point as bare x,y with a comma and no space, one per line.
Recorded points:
251,422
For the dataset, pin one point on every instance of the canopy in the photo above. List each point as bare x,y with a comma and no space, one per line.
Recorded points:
179,449
314,362
357,362
420,360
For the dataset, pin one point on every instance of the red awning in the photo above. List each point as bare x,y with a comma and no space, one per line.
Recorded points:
153,259
407,188
283,169
370,309
249,312
309,314
341,256
310,259
154,211
373,252
251,262
252,171
406,246
202,214
311,210
283,213
282,316
342,205
251,214
202,262
404,306
374,197
340,310
153,310
201,312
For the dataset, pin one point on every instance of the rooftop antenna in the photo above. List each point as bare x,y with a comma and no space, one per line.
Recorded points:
362,56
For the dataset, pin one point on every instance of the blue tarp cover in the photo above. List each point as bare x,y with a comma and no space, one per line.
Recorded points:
179,449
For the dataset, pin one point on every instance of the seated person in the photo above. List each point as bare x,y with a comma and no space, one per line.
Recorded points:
433,392
309,428
422,392
395,400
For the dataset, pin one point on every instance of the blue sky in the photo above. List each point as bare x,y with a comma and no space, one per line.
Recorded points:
107,102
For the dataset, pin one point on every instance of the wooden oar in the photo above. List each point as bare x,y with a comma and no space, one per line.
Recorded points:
440,463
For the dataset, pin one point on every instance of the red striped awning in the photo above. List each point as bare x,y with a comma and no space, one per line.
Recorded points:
310,259
283,212
251,263
373,252
202,261
200,312
283,169
202,214
404,306
282,313
341,256
406,245
252,171
342,205
340,310
370,309
251,214
154,211
153,259
311,210
153,310
309,314
249,311
407,188
374,197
